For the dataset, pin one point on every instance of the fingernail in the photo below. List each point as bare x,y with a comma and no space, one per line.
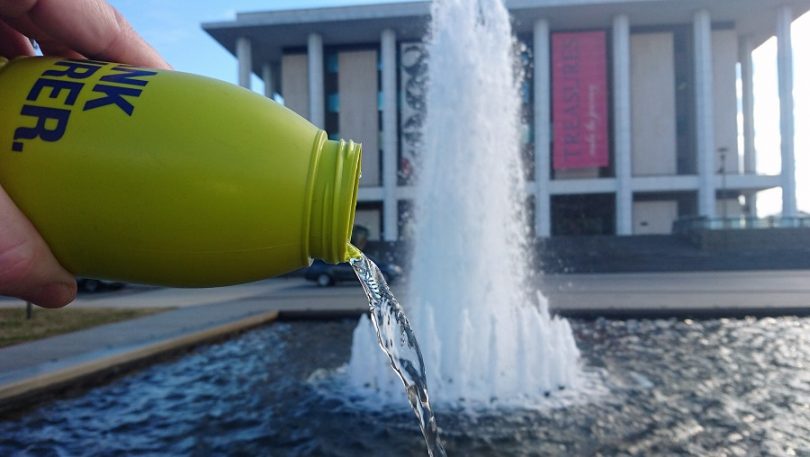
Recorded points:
57,294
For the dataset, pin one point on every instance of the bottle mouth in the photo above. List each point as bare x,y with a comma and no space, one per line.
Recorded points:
333,198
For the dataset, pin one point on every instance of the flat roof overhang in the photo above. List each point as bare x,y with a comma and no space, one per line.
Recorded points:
271,32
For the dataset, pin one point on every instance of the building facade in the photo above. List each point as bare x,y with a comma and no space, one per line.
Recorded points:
660,76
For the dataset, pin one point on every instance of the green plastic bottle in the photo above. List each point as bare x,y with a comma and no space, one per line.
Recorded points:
169,178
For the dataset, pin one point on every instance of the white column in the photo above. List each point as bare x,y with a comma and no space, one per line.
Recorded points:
749,147
784,59
316,97
621,124
245,59
542,129
388,56
747,76
267,76
704,103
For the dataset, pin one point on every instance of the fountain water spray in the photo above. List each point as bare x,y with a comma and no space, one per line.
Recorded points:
487,340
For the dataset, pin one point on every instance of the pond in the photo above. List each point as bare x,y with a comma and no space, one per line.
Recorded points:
713,387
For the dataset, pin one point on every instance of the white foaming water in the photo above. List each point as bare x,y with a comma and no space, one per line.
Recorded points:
486,339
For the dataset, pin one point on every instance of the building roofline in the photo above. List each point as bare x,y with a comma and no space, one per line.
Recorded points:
274,31
380,11
349,12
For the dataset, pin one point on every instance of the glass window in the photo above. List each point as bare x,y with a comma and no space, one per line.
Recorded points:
332,62
333,103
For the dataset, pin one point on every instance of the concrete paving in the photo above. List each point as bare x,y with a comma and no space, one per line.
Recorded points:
203,314
731,293
138,296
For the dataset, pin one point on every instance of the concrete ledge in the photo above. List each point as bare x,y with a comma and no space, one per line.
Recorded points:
16,393
680,313
594,313
321,315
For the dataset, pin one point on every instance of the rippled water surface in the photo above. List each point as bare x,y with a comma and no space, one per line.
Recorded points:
719,387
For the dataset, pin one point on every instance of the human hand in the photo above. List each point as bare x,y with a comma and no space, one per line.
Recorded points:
73,28
68,28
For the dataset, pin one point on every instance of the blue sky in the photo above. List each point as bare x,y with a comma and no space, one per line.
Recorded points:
173,28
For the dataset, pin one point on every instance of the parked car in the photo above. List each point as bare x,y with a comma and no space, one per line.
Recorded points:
96,285
325,274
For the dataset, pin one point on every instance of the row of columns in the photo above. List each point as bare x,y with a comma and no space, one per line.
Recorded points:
622,128
784,65
621,125
317,115
704,114
390,138
244,58
317,101
749,151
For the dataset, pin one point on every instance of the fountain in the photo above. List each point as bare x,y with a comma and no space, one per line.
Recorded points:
486,338
668,387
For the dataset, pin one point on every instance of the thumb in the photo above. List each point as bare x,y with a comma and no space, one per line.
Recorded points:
28,269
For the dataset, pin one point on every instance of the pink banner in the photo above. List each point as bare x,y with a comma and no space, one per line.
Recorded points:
579,98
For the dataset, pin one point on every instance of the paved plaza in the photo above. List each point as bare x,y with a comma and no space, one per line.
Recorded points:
743,290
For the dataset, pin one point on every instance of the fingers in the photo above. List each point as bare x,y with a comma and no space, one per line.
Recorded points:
47,44
91,28
73,28
13,43
28,270
15,8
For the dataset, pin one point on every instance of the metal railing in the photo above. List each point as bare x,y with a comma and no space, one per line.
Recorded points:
688,224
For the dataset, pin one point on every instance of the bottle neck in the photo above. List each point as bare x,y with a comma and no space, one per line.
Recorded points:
333,197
